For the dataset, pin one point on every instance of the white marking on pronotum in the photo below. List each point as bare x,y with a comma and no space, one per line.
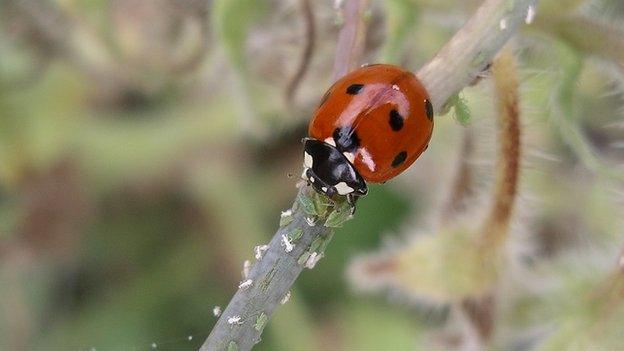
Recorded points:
331,141
350,156
310,221
245,285
288,246
308,161
285,298
259,251
246,268
234,320
304,174
367,159
313,260
530,15
395,87
216,311
343,188
312,180
503,24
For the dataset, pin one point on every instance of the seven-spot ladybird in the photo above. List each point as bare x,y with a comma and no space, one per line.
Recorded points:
371,125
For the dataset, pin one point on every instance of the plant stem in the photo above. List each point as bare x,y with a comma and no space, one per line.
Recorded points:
472,48
351,38
271,278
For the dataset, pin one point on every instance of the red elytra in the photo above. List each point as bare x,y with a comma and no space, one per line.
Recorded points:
378,116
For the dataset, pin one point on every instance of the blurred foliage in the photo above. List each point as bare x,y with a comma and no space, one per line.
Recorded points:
137,173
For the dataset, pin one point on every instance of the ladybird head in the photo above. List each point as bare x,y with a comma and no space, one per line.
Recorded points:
329,171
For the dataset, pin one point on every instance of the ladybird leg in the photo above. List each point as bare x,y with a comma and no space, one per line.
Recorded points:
351,199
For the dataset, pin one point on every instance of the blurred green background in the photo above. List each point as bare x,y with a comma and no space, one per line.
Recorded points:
147,146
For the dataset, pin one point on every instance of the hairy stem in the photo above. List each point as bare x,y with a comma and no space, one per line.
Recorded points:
480,310
504,72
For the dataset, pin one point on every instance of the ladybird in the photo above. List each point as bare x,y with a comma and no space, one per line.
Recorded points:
370,126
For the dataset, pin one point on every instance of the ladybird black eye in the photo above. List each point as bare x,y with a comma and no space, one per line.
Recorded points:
396,120
399,159
354,89
429,109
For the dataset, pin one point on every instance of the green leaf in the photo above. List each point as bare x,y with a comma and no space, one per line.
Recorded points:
232,346
286,218
321,204
303,258
339,215
295,235
326,240
461,111
307,204
261,321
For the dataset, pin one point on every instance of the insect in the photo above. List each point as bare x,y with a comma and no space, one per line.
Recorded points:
370,126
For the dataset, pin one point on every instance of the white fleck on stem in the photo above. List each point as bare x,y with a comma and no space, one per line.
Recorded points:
189,338
154,345
259,251
310,221
216,311
313,260
245,284
234,320
288,246
286,298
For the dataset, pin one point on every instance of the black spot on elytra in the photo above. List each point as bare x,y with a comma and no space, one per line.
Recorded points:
396,120
346,139
399,159
354,89
429,109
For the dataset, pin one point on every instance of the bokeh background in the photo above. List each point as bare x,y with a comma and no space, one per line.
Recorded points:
147,146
